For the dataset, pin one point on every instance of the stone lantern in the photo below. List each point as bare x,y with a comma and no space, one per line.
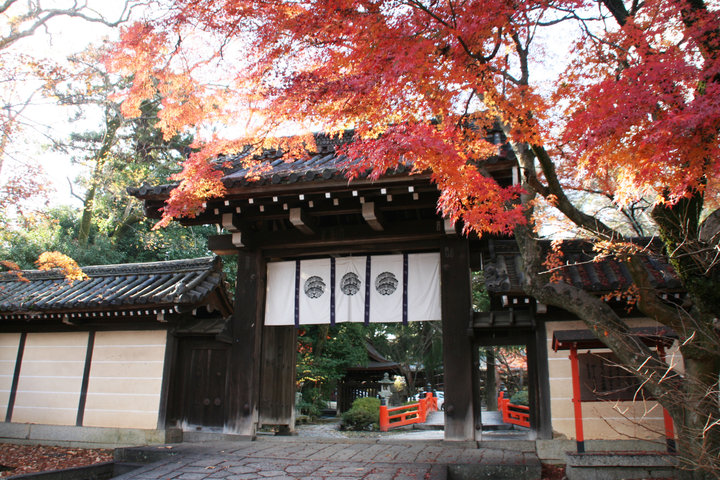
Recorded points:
385,391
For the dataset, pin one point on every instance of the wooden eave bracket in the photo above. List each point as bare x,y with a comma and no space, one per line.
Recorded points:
231,222
372,216
449,227
302,221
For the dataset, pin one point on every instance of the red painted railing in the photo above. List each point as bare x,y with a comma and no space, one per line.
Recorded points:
407,414
511,413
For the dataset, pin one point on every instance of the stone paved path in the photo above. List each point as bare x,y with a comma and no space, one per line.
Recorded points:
298,458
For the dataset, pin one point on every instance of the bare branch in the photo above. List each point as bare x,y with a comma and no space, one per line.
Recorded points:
37,17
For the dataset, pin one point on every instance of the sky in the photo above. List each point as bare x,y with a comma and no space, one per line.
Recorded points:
62,37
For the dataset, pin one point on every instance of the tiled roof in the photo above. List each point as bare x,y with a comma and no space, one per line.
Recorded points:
174,284
323,164
583,269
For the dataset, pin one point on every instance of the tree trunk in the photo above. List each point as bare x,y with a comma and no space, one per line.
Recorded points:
698,432
490,381
87,213
112,124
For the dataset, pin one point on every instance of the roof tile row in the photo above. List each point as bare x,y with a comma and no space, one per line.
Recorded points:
170,283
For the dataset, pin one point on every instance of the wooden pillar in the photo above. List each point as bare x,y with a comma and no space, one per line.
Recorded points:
170,376
247,323
477,395
539,379
457,341
277,377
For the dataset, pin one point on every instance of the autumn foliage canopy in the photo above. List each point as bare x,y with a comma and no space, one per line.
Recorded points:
637,105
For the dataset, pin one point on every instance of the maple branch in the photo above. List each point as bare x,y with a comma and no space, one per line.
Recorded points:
563,203
550,23
467,107
630,215
618,10
648,302
523,57
477,56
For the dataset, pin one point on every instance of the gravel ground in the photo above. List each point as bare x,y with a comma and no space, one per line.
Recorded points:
21,459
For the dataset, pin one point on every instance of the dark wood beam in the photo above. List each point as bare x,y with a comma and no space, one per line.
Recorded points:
358,248
229,244
344,239
345,235
267,208
540,417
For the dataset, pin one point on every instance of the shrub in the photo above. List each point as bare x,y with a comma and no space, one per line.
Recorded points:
371,404
364,414
309,409
520,398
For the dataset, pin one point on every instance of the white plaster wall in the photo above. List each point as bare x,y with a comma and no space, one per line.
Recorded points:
9,343
125,379
50,378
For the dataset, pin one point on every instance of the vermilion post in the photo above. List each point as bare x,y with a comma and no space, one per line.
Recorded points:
575,368
384,419
431,401
669,427
501,406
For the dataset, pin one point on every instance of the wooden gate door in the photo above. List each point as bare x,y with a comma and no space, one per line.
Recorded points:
204,391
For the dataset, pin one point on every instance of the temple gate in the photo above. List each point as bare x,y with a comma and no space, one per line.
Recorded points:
304,213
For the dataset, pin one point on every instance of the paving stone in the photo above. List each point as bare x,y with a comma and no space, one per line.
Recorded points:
303,468
296,458
356,470
272,473
191,476
241,469
247,476
220,474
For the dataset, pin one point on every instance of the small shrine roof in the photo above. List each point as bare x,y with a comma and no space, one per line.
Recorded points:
583,268
585,339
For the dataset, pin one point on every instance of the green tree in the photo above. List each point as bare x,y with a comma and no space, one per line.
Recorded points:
416,347
110,226
324,352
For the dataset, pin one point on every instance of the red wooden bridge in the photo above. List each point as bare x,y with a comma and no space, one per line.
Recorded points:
407,414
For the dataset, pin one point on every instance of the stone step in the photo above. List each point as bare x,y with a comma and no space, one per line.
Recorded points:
495,472
620,465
